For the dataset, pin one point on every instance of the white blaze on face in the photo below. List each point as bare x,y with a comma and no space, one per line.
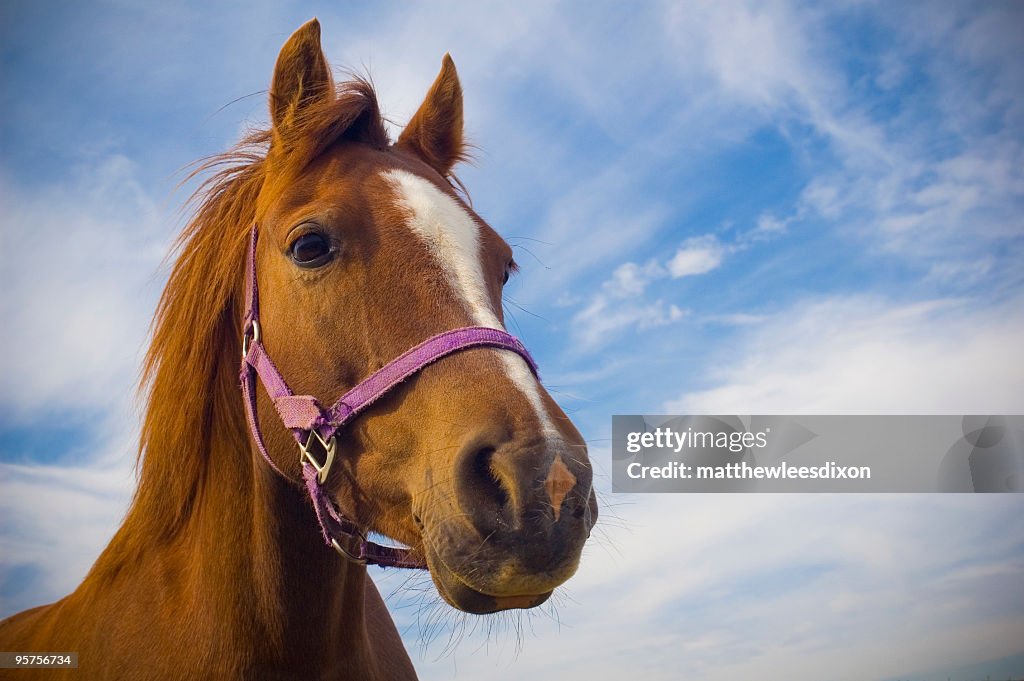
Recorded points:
453,237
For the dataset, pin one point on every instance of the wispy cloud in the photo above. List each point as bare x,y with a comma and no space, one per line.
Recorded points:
891,182
701,579
81,279
630,280
602,320
57,519
81,276
868,355
620,305
698,255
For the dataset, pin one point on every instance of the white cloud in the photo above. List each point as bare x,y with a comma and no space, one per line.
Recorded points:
719,587
891,184
768,224
736,319
488,44
620,306
596,213
604,319
892,71
698,255
945,212
962,272
81,277
616,307
58,518
80,267
629,279
771,62
861,354
823,197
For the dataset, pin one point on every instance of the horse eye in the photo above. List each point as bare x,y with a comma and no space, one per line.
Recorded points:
310,250
509,269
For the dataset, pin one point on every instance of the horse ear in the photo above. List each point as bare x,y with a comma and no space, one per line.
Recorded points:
435,131
301,75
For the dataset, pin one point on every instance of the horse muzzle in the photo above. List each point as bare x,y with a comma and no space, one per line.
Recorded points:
511,525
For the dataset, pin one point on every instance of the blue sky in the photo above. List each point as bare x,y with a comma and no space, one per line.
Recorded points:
718,208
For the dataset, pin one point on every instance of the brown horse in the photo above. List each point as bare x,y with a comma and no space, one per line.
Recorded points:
365,249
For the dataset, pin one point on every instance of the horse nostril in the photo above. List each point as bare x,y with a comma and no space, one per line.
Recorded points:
483,489
485,476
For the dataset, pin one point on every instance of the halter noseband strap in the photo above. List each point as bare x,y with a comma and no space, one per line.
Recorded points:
315,427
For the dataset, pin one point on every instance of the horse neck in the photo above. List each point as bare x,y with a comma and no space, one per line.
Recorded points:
245,583
261,552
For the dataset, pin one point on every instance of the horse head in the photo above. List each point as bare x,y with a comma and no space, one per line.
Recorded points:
366,249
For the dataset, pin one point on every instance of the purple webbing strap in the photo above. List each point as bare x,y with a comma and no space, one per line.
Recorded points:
396,371
252,296
349,537
303,413
248,380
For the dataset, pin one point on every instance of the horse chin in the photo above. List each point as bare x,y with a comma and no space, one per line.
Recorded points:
458,594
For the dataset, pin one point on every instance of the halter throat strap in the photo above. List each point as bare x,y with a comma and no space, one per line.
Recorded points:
315,427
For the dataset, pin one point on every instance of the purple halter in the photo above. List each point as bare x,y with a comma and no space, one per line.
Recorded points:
315,427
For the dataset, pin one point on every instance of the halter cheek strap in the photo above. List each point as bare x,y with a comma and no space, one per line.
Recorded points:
315,427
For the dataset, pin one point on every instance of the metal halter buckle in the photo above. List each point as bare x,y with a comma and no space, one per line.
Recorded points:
317,449
347,552
250,335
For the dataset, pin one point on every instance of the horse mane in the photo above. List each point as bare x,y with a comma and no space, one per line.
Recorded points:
189,377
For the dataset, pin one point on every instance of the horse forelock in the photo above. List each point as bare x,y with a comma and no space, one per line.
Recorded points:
352,114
